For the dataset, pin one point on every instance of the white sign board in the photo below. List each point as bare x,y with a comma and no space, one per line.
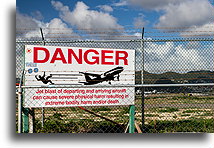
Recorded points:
59,66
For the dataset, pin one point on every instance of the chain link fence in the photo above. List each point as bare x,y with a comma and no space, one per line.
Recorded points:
164,100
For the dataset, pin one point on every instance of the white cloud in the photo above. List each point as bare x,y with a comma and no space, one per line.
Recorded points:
176,13
148,4
188,13
172,56
25,21
138,35
37,15
27,27
199,31
84,18
30,28
121,3
140,21
56,29
105,8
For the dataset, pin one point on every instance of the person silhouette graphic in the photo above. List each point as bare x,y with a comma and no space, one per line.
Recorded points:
44,79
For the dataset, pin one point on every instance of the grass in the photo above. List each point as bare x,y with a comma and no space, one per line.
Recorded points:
195,125
207,114
101,109
168,109
55,124
151,115
179,99
184,115
190,111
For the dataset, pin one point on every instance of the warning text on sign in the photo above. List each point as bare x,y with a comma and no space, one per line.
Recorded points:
80,97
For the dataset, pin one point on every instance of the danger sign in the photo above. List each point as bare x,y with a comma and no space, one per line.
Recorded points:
60,66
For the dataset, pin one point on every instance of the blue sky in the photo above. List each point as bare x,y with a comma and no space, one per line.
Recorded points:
191,15
124,19
47,9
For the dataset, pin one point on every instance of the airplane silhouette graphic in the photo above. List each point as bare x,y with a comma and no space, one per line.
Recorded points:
109,76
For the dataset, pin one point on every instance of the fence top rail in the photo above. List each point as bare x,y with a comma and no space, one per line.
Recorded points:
100,86
103,41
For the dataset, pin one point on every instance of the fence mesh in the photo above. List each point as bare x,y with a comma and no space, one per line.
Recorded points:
158,108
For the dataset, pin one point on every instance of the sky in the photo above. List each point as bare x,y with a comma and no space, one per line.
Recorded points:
122,14
122,17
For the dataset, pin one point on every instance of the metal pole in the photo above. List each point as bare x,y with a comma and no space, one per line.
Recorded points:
43,110
43,113
25,118
19,110
43,39
131,119
142,81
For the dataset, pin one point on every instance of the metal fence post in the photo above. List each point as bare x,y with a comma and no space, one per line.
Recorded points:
25,118
142,81
19,110
43,114
43,110
131,119
31,120
20,104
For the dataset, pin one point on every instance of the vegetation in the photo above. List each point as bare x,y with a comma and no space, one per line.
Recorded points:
165,116
194,125
55,124
168,109
173,77
97,109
